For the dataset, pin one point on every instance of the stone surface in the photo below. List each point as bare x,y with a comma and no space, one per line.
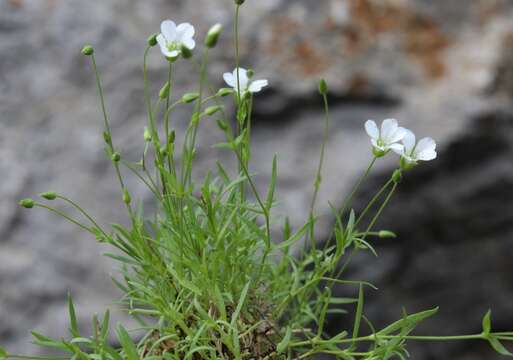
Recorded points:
442,67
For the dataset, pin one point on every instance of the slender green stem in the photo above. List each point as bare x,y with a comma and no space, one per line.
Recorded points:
65,216
237,53
83,212
362,178
372,202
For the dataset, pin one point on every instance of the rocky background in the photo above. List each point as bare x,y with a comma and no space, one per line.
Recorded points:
443,68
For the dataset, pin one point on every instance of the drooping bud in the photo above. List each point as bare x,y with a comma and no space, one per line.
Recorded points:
164,92
106,137
116,157
87,50
323,87
152,40
386,234
397,176
213,35
211,110
147,134
224,92
190,97
27,203
49,195
186,52
222,124
127,199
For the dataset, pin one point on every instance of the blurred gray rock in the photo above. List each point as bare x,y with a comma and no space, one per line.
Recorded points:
435,65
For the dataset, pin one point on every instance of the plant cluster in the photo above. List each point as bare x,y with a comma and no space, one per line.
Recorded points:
207,276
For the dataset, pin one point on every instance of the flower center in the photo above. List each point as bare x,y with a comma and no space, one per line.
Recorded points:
172,46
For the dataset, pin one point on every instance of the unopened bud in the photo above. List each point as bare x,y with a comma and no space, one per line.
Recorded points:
186,52
164,92
323,87
87,50
172,136
27,203
213,35
163,152
224,92
116,157
222,124
126,197
250,73
211,110
397,176
386,234
106,137
152,40
49,195
147,134
239,2
190,97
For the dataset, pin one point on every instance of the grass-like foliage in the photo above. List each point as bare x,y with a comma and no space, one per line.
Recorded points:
208,275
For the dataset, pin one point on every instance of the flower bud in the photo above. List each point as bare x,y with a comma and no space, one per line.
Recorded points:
213,35
49,195
147,134
106,137
222,124
116,157
126,197
323,87
164,92
152,40
250,73
239,2
27,203
163,152
386,234
397,176
186,52
172,136
190,97
224,92
87,50
212,110
195,119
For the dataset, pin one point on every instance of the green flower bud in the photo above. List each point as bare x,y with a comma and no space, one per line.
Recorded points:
190,97
49,195
116,157
172,136
106,137
126,197
224,92
250,73
27,203
147,134
386,234
213,35
222,124
87,50
239,2
323,87
164,92
195,119
186,52
152,40
397,176
212,110
163,152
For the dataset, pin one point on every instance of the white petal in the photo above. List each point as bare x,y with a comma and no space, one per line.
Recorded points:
424,144
374,143
409,141
372,129
257,85
189,43
397,148
398,135
168,29
184,31
388,128
229,79
241,78
163,47
427,155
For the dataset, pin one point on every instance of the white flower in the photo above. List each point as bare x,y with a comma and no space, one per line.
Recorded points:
246,84
387,138
172,38
413,151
